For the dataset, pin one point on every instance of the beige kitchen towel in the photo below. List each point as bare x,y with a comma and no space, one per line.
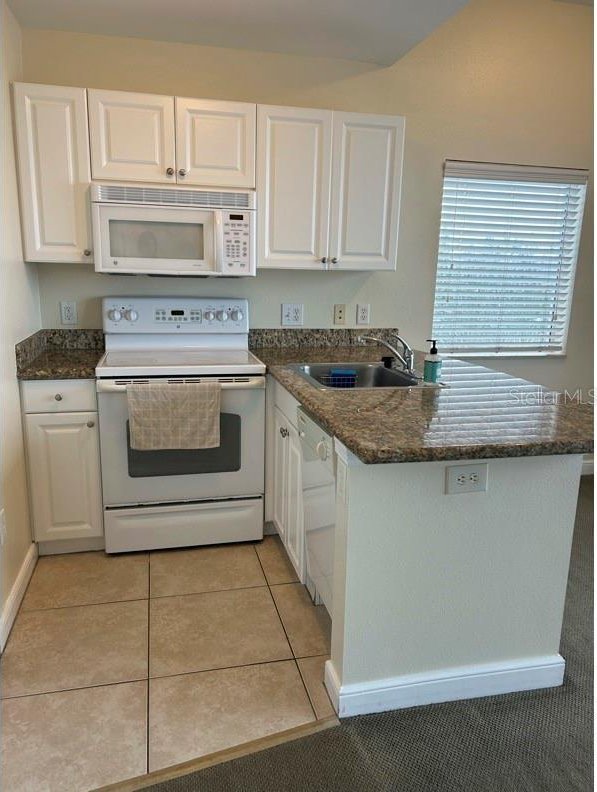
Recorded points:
174,415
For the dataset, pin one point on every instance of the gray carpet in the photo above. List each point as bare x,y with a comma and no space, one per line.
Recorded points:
524,741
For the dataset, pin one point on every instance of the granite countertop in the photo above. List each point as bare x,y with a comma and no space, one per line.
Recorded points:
483,413
59,354
60,364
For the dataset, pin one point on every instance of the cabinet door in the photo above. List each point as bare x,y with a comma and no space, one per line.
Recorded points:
64,475
295,531
53,158
366,182
280,443
215,142
293,186
132,136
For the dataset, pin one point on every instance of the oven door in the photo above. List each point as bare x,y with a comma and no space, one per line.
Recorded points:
155,240
234,469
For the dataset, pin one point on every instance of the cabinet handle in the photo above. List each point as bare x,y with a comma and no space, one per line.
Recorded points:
169,171
86,252
324,260
90,424
283,431
58,397
182,172
334,260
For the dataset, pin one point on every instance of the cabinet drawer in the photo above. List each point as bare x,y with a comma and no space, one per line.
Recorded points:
286,403
43,396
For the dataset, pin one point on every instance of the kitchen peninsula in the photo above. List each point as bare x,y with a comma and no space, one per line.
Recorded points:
445,596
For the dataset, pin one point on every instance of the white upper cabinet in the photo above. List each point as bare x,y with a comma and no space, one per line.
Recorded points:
366,181
53,161
132,136
293,186
328,187
215,142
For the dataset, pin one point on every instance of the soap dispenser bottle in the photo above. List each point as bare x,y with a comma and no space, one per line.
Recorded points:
433,364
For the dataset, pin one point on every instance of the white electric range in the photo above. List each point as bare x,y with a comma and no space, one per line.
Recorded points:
178,498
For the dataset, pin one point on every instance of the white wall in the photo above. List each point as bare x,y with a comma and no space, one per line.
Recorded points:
503,81
20,316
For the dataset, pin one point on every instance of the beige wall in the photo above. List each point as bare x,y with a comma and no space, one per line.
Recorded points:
503,81
20,317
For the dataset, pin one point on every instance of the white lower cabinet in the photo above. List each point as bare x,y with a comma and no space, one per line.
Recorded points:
64,467
64,475
287,510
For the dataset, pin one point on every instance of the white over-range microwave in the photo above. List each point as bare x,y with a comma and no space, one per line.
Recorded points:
173,231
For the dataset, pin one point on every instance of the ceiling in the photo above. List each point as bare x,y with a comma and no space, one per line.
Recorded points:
374,31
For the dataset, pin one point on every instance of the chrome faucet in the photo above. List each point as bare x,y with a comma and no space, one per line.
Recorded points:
407,353
406,359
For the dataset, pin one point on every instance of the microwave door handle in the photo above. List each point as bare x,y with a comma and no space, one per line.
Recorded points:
218,242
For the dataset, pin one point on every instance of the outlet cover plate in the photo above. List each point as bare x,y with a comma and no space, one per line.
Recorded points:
363,314
68,312
293,314
466,478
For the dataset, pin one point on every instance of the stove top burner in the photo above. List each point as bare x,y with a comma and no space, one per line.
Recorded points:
160,362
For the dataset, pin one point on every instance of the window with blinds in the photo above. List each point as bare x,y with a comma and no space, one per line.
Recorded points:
508,247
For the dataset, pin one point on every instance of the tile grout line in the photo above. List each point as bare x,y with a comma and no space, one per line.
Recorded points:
143,599
298,668
287,638
85,605
148,679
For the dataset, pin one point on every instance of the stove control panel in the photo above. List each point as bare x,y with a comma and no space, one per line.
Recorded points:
175,315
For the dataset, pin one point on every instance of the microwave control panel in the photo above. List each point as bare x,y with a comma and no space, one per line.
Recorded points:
238,241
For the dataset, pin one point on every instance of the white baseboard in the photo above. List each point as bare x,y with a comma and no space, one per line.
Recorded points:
451,684
587,465
13,601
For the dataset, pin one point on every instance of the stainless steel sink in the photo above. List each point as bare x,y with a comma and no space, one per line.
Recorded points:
366,375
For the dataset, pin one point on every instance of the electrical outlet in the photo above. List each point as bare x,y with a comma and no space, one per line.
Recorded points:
68,312
466,478
2,527
340,313
363,314
292,314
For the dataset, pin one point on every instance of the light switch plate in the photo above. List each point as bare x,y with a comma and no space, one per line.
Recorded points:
340,314
293,314
466,478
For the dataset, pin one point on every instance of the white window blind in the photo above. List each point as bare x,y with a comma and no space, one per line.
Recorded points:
508,247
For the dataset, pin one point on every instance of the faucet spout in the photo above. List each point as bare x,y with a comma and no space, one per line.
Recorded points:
407,352
389,346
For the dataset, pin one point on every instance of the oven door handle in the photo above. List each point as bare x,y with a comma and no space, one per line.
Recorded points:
115,386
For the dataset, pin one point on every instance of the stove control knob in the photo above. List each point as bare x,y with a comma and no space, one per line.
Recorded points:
131,315
222,316
236,315
209,316
114,315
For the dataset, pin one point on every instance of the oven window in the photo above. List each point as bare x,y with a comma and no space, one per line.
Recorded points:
150,239
187,462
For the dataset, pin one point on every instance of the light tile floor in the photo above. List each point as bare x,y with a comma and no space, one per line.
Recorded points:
119,665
